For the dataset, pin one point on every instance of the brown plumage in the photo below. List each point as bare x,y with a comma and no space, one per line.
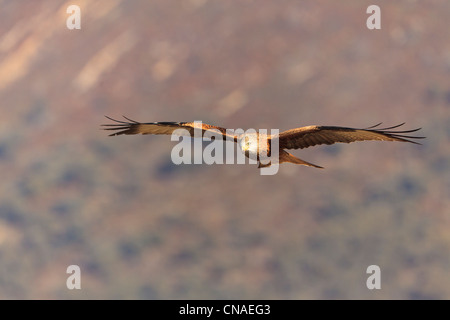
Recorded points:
298,138
167,128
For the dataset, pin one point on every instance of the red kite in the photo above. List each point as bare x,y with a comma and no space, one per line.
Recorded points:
250,143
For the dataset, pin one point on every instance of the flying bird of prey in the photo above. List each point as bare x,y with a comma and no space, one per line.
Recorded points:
298,138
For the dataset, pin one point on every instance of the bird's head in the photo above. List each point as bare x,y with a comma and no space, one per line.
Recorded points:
249,144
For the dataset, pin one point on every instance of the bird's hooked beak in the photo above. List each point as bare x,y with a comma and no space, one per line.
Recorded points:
245,145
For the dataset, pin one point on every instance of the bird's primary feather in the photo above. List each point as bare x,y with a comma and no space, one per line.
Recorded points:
166,128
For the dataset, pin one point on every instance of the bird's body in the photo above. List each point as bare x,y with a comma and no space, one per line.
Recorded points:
258,146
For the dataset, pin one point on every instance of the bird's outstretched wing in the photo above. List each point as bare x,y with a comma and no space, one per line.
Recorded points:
167,128
305,137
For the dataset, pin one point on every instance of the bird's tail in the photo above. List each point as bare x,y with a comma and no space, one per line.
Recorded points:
287,157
